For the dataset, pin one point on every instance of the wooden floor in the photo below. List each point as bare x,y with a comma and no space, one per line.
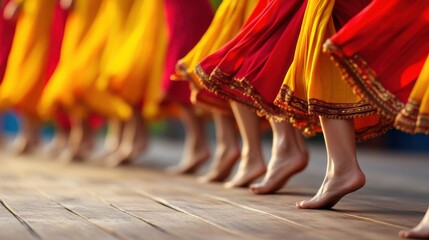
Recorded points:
43,199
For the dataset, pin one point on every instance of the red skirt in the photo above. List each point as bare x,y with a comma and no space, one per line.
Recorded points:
57,34
382,50
250,69
187,21
7,31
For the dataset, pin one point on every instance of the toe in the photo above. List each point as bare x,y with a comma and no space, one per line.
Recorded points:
404,233
303,205
257,188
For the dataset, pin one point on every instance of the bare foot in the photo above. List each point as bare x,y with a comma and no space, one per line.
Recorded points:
57,144
334,188
279,172
109,148
20,145
125,154
76,153
112,140
421,231
79,146
192,163
248,171
132,143
24,144
69,155
196,149
224,162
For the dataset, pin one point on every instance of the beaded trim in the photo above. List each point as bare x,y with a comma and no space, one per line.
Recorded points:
196,97
315,107
299,112
410,120
364,81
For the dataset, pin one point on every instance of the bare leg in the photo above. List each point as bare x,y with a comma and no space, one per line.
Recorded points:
421,231
133,142
343,174
227,149
196,151
288,157
59,141
112,140
27,138
252,164
80,141
75,137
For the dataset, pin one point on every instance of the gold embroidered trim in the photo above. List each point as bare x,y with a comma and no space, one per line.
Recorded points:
314,107
410,120
234,87
300,113
220,83
196,97
364,81
423,123
229,88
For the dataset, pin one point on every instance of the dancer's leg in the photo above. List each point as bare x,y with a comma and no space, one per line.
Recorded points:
133,141
196,150
252,164
112,140
288,157
59,140
343,174
80,142
227,148
28,135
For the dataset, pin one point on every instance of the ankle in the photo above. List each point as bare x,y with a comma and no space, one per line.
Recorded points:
354,174
227,148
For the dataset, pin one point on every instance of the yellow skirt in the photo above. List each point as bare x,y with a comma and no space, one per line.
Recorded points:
228,20
313,85
25,72
72,86
414,117
133,67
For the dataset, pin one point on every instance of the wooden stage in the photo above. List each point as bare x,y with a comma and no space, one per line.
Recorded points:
43,199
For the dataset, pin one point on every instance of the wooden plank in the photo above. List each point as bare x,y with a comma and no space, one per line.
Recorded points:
46,218
152,177
101,213
361,205
12,226
371,215
243,222
278,206
179,224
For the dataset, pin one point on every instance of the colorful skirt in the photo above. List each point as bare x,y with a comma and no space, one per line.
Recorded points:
187,21
25,72
313,86
133,60
72,86
56,39
57,34
250,68
414,117
381,57
229,18
7,31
